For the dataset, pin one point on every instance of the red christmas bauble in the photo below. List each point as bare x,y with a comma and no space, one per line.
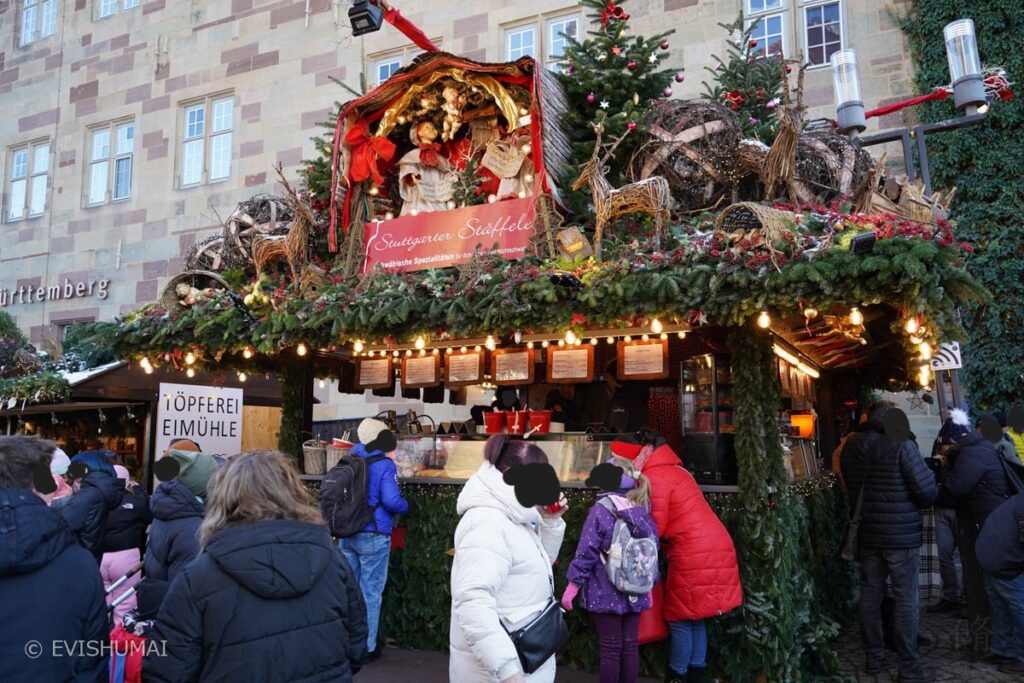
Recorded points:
591,98
664,45
753,43
667,92
680,76
631,65
631,125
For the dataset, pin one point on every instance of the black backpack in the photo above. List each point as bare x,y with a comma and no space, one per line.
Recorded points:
345,496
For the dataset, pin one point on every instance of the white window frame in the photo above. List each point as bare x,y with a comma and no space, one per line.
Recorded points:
108,8
399,57
29,178
551,60
815,4
392,62
38,20
520,30
783,16
210,139
106,165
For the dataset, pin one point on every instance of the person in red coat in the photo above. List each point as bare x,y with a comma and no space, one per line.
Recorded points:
703,575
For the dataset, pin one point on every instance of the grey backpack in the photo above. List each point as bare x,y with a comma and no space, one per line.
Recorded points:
631,563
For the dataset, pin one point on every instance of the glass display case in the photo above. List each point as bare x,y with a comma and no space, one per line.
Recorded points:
706,390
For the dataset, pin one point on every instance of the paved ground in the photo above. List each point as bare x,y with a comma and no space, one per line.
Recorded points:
947,653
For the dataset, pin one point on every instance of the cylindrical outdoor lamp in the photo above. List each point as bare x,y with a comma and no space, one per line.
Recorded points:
846,84
964,64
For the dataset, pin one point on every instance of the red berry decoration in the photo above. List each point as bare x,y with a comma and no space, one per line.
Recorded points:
753,43
631,65
664,45
591,98
631,125
680,76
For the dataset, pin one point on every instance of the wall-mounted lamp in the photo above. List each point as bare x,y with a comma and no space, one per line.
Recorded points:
964,65
846,85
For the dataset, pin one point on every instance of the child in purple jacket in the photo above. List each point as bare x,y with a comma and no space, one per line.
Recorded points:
616,613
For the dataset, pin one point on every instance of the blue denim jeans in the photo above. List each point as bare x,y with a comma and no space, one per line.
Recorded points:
688,645
1006,603
945,537
901,566
367,553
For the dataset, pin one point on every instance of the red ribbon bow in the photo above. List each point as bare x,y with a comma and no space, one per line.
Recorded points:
612,11
366,150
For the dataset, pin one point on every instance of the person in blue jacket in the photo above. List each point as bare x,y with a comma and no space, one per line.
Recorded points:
368,551
54,624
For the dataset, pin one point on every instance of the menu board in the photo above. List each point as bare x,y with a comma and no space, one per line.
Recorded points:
419,372
373,373
512,366
464,368
570,365
643,360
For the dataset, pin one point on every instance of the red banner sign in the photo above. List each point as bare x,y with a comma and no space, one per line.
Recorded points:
446,238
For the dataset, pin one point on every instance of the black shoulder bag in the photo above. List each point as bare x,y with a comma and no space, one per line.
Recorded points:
850,549
541,638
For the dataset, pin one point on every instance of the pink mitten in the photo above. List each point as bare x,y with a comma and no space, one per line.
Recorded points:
569,595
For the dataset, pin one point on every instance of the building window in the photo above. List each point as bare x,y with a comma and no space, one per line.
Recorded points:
768,32
384,68
824,32
27,173
38,20
108,8
206,140
560,29
110,162
520,42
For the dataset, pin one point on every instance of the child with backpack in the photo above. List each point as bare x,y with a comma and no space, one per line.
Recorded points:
359,498
616,566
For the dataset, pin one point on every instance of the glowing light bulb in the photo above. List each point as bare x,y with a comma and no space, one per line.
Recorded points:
610,340
372,354
529,345
856,317
916,340
423,352
190,358
242,377
247,352
420,343
812,312
656,326
594,341
414,212
681,334
463,349
394,354
408,353
358,347
528,177
148,369
663,336
627,338
924,376
374,191
435,352
764,320
526,149
645,338
545,344
561,342
389,216
322,384
190,373
570,337
489,343
301,350
491,198
926,350
477,348
449,350
912,326
522,194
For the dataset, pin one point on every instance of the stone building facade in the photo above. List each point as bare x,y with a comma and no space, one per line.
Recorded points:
131,127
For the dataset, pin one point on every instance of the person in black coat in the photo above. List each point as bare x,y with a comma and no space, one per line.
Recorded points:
882,458
123,542
1000,544
97,493
270,598
174,533
50,587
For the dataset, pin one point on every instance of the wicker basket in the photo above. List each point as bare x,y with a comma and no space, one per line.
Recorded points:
314,457
194,278
335,454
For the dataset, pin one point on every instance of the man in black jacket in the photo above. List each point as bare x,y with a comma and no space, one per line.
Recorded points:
883,459
54,624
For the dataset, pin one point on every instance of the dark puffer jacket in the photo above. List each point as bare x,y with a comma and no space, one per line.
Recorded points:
174,534
268,601
898,486
976,481
1000,546
50,592
126,524
87,510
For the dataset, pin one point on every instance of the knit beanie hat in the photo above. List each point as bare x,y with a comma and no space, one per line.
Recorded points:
375,436
60,462
956,425
195,469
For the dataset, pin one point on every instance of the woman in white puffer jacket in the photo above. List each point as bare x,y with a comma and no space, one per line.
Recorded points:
502,576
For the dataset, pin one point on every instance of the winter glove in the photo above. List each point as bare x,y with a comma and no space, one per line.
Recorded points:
569,595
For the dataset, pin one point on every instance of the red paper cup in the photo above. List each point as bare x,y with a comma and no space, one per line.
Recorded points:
540,420
515,421
494,421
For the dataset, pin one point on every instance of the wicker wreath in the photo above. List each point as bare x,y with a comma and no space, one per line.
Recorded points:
200,279
831,166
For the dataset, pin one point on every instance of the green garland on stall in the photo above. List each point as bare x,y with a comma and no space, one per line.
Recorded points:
40,387
289,437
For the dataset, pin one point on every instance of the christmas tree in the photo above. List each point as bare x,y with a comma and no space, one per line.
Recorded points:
748,84
614,74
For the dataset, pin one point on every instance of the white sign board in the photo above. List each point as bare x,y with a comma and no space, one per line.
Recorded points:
948,357
210,416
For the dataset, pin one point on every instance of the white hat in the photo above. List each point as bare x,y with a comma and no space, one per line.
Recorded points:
60,462
369,429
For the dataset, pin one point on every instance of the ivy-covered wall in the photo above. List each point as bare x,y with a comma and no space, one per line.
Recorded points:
983,162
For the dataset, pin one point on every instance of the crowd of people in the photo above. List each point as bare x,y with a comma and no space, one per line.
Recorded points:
230,570
973,482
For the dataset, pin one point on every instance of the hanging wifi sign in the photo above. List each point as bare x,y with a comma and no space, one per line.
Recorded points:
948,357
